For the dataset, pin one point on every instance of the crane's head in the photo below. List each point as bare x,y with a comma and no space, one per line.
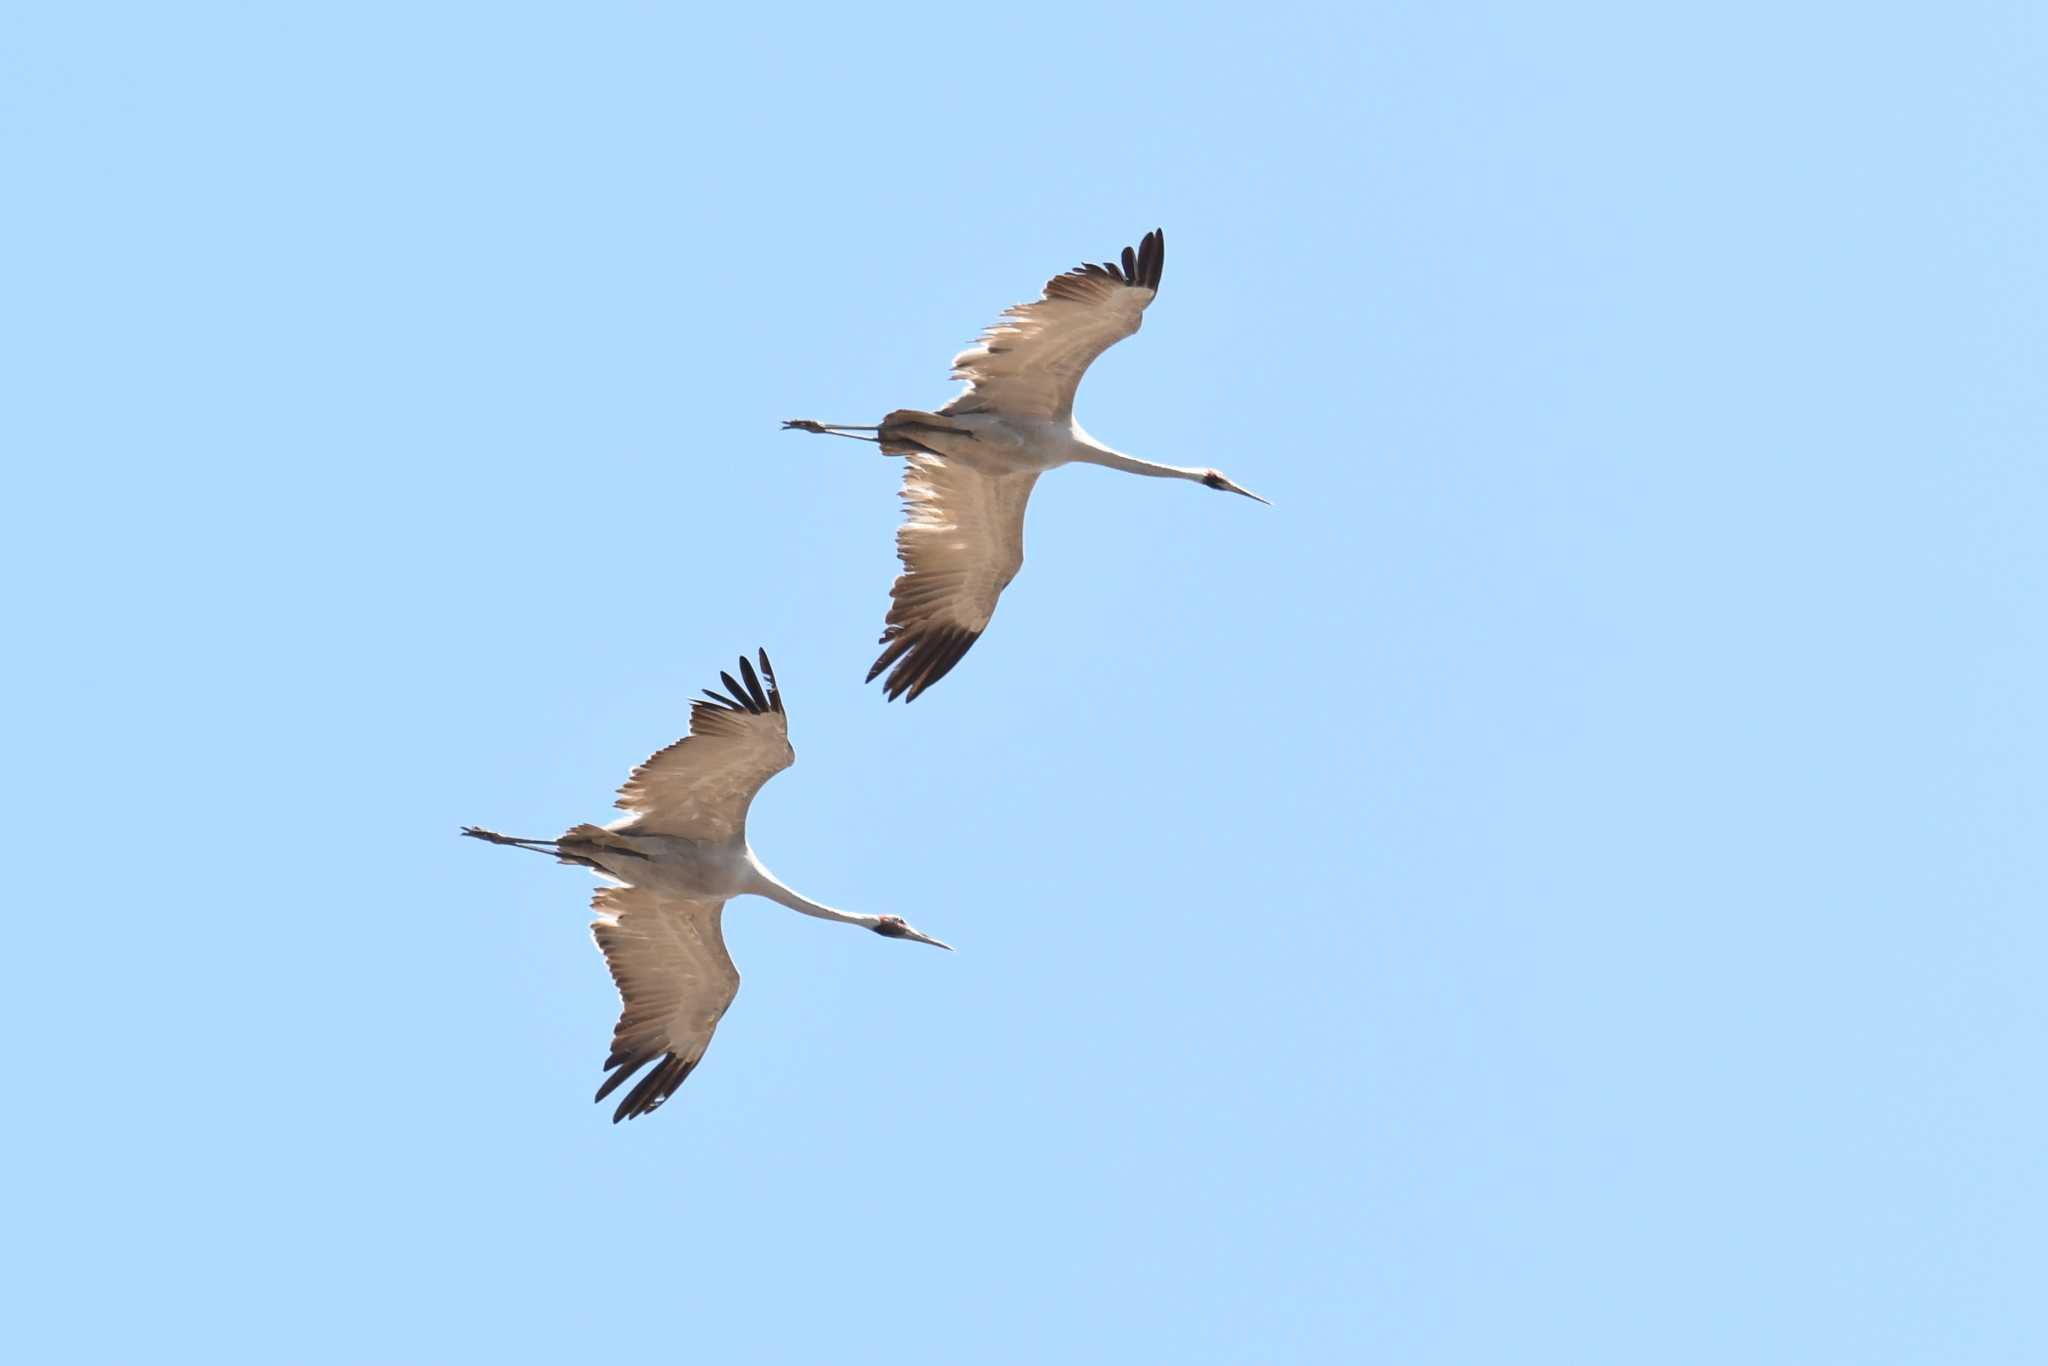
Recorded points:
895,927
1214,479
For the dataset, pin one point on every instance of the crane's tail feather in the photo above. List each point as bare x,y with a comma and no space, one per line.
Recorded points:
584,843
902,430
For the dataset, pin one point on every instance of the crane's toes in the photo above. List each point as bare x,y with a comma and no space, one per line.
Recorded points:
804,424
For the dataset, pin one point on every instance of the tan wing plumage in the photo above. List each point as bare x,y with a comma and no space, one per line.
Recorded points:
675,979
961,543
1031,363
700,787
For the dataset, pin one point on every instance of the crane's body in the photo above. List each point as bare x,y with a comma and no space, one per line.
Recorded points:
997,444
676,865
971,465
674,861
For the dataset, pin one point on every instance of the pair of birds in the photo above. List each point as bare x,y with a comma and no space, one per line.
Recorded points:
681,852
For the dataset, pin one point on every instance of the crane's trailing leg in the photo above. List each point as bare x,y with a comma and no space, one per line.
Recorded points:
907,431
477,832
576,847
847,430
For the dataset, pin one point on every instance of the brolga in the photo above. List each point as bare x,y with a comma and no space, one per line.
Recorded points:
969,467
674,861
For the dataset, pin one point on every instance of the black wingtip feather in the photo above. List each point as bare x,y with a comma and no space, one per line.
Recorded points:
921,660
626,1067
751,697
897,644
732,685
654,1087
1141,268
753,685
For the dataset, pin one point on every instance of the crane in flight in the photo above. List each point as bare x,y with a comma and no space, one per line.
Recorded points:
674,861
969,467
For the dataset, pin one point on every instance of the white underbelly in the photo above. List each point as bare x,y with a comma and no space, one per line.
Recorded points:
1006,445
688,868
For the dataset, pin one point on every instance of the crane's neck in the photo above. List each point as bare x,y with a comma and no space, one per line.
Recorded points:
1088,451
765,883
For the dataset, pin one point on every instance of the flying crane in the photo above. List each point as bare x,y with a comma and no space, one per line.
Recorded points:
674,861
969,467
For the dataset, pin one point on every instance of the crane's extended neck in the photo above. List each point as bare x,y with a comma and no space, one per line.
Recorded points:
1089,451
766,884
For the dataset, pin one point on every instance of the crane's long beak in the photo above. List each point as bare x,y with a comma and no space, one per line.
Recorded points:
923,938
1236,488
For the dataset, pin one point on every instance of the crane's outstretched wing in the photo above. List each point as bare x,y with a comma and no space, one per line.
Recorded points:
1031,363
701,787
961,542
667,955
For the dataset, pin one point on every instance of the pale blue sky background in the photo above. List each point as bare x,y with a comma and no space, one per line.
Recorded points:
1563,885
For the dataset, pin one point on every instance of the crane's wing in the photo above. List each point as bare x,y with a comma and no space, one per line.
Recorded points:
667,955
1030,363
700,787
961,542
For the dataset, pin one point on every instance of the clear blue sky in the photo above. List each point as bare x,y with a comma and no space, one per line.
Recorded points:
1563,885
